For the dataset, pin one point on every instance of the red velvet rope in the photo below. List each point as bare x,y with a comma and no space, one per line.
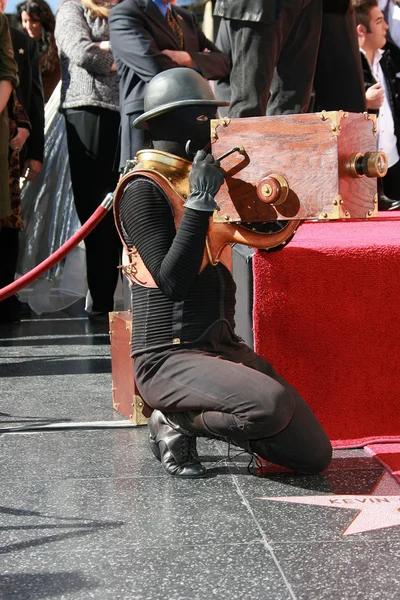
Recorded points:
59,254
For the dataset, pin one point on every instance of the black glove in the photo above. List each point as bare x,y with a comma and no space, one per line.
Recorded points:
205,178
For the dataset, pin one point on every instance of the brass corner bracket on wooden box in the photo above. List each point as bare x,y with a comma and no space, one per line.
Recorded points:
126,398
314,166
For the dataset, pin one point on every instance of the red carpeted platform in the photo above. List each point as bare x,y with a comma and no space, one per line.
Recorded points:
388,455
326,314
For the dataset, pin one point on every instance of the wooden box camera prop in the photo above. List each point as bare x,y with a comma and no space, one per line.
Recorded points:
126,398
317,166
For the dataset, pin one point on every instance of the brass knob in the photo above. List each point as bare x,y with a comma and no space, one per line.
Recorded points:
273,189
370,164
375,164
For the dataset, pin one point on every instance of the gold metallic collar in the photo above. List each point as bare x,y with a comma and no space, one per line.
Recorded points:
172,167
151,157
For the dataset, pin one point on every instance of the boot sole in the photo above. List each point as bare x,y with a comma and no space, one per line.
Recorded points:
153,443
155,449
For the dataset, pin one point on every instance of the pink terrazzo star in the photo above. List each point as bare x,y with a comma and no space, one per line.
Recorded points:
378,510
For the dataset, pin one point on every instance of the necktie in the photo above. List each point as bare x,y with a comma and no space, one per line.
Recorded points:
176,28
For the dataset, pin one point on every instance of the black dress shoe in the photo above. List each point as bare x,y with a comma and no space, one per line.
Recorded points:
98,318
174,447
385,203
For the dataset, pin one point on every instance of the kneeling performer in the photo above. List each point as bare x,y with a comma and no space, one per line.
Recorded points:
191,369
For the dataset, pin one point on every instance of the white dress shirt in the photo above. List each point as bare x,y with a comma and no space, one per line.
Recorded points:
386,139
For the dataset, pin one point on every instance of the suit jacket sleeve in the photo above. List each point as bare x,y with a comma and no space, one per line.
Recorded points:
133,45
35,143
213,63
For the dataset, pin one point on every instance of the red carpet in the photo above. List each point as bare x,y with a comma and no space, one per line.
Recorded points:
326,315
388,455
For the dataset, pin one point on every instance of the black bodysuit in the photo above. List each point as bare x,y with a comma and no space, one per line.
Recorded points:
187,357
185,303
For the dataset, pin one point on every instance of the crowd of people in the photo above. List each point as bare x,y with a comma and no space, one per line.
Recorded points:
134,75
318,54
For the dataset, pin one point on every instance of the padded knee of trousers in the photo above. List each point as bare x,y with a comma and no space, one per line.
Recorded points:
266,422
312,463
318,462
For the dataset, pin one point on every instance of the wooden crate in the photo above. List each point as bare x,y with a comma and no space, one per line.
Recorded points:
314,154
126,398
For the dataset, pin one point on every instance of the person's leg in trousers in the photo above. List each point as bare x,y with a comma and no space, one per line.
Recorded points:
9,310
303,444
391,182
220,396
338,80
293,80
222,88
255,49
134,139
92,139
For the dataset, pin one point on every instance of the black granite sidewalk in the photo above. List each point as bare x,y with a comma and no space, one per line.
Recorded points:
91,514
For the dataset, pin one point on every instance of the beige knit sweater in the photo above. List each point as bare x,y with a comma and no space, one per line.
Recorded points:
86,76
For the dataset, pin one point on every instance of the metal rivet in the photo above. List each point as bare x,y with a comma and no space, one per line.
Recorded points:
266,190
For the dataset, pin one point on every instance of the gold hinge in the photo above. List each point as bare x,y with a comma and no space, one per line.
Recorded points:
137,417
374,211
334,116
336,212
217,123
370,117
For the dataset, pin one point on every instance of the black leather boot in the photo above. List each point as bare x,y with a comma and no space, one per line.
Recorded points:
193,422
385,203
174,447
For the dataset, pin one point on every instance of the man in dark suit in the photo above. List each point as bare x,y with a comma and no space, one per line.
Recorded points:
30,94
273,46
147,37
338,82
